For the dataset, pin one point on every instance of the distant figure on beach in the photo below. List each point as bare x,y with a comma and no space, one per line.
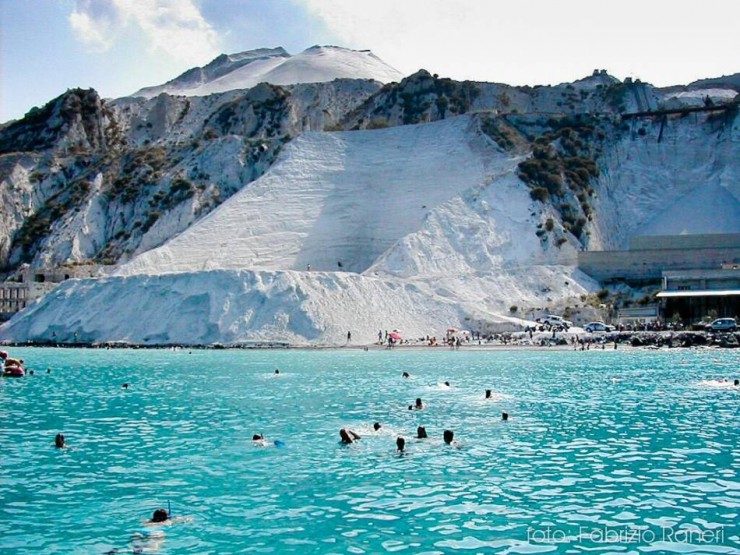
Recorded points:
377,426
59,442
406,375
488,393
348,436
400,444
449,437
421,432
349,336
504,416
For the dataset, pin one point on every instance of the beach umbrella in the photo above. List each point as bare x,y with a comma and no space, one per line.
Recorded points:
451,330
395,336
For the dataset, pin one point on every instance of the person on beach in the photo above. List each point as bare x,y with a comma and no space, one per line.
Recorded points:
59,442
421,432
400,444
348,436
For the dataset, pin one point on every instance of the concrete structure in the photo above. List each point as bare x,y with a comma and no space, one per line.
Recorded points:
29,284
696,294
648,257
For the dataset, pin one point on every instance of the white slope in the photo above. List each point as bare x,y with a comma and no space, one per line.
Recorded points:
339,198
317,64
231,307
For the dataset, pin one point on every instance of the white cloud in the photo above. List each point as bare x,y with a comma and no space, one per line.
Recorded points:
175,28
539,41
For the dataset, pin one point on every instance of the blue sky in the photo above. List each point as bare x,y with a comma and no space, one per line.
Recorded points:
119,46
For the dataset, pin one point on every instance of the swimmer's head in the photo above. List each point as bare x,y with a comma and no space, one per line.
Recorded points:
160,515
277,371
405,374
345,436
419,404
447,384
504,416
449,435
737,382
377,426
421,432
257,437
488,393
59,441
400,444
3,355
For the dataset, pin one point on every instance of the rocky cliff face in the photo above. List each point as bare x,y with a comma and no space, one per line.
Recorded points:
87,180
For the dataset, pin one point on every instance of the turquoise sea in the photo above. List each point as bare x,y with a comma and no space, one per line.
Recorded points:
604,452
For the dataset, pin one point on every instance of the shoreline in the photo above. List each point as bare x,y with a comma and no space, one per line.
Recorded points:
622,340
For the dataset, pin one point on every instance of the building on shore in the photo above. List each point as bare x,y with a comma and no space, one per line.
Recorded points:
28,284
697,275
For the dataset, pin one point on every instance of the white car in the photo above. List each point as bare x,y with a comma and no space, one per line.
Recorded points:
591,327
556,322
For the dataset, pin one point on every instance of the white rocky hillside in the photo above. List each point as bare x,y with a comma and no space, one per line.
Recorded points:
431,220
276,66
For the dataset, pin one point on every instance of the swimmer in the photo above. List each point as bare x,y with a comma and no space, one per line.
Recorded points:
488,393
449,437
259,439
400,444
348,436
737,382
406,375
448,384
59,442
160,515
419,405
125,386
277,371
377,426
421,432
504,416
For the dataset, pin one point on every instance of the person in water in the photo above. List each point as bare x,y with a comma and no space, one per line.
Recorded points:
348,436
160,515
448,384
488,393
377,426
504,416
59,441
737,382
400,444
418,406
421,432
10,362
406,375
449,437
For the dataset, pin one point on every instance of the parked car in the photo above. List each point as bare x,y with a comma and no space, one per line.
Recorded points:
723,324
592,327
555,322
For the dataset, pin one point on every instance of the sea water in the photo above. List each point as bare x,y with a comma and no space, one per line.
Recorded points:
604,451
